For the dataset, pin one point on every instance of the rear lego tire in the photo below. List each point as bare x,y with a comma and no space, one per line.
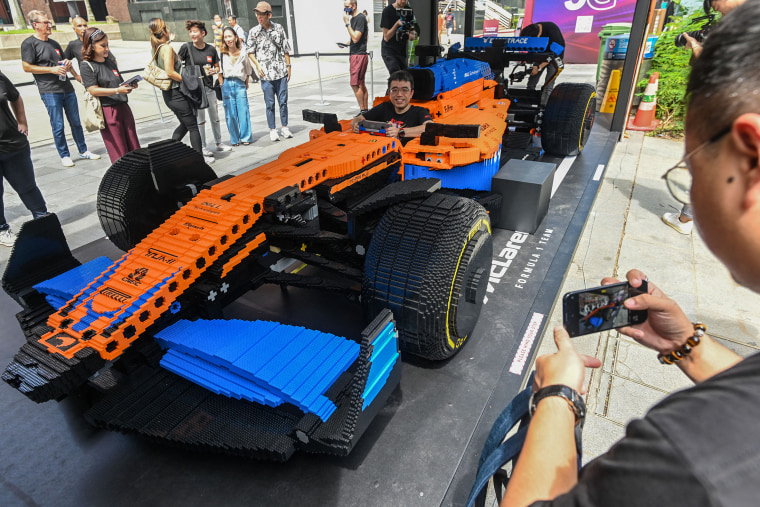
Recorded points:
428,262
568,118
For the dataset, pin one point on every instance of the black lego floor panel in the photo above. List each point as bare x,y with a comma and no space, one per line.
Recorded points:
421,449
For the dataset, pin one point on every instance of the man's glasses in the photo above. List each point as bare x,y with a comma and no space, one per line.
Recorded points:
678,178
259,13
48,23
405,90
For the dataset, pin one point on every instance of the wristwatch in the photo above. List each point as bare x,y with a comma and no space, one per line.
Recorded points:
574,399
401,133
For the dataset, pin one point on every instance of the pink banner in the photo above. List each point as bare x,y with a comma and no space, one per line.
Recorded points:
491,28
581,21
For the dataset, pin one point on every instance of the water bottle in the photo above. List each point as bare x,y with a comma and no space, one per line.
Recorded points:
62,77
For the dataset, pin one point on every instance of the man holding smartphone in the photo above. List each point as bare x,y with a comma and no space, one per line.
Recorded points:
698,446
357,30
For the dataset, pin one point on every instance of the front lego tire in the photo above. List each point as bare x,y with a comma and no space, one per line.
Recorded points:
568,119
428,262
129,204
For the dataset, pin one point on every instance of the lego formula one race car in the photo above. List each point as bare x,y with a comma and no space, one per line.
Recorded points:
143,340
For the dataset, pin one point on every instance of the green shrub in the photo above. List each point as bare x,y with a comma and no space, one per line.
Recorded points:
673,65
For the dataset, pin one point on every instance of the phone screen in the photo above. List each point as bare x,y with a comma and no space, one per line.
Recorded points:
600,309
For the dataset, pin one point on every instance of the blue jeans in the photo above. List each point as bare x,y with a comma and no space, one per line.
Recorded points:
16,167
236,112
56,104
280,88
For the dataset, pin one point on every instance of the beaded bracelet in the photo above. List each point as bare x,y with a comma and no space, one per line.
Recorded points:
685,349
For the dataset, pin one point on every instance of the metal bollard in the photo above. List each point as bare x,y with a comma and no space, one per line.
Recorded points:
319,75
158,105
372,75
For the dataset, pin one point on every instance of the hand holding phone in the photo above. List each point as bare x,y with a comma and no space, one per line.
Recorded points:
601,308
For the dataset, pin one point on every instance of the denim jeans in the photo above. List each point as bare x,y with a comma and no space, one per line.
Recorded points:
270,89
213,114
236,112
56,104
16,167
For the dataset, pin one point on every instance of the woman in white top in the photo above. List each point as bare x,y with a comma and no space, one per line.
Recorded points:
236,70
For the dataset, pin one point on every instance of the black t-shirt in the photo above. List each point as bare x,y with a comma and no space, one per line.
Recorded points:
387,20
696,447
45,54
11,139
359,24
104,75
205,56
549,29
386,112
74,50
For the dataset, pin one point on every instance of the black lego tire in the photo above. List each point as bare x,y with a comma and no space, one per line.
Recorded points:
428,262
129,206
568,119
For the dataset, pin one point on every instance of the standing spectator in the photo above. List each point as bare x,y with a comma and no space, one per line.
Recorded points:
552,31
269,50
356,24
236,70
74,49
366,16
43,57
168,60
441,26
451,25
16,158
232,20
200,53
393,48
101,77
217,32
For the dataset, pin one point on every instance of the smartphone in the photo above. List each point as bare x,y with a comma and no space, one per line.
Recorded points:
601,308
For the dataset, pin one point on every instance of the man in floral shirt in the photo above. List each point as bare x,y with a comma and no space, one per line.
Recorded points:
269,50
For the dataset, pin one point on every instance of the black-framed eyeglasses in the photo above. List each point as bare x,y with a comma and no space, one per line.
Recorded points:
678,177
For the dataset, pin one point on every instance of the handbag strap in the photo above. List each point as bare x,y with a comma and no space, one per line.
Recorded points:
190,52
496,454
155,53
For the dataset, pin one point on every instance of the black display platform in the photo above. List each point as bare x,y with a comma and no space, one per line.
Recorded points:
422,448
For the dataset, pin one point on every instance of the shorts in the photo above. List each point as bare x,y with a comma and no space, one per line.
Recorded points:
358,68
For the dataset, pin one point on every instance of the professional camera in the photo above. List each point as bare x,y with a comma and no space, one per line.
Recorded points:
700,34
406,16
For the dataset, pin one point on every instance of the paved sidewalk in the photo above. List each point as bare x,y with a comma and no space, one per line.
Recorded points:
624,231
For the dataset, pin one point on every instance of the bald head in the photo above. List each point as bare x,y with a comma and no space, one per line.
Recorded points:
79,24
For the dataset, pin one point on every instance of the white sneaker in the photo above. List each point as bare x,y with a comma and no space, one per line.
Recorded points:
285,131
209,160
67,162
206,152
273,135
89,155
7,238
223,147
672,220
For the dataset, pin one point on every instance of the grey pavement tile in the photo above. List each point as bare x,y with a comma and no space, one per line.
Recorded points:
737,333
638,363
599,435
671,269
629,399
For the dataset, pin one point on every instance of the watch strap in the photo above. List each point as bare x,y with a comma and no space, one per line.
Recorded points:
574,399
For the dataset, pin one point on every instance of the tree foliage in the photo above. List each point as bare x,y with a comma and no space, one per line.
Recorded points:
673,65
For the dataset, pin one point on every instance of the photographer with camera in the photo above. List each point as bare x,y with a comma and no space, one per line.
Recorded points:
698,446
397,22
683,221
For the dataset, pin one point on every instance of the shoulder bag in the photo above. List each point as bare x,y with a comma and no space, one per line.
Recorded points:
192,86
217,86
155,75
93,110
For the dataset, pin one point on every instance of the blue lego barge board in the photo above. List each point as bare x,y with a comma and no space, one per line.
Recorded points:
62,288
265,362
475,176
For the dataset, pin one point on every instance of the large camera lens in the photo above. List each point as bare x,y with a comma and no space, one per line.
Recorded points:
681,41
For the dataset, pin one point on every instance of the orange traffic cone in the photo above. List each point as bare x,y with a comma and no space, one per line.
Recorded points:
645,119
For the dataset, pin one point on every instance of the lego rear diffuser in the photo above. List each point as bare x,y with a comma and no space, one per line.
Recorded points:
405,230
